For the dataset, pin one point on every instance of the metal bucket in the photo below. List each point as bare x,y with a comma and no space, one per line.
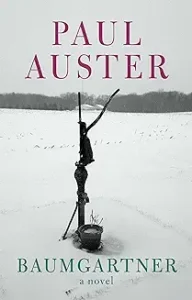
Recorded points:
90,235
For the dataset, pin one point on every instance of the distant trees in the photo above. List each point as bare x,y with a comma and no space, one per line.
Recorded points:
152,102
40,102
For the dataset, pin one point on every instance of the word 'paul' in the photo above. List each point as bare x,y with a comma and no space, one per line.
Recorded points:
81,37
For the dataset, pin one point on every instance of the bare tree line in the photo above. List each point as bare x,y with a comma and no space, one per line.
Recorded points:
152,102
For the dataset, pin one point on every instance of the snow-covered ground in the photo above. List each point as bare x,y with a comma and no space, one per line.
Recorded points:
140,184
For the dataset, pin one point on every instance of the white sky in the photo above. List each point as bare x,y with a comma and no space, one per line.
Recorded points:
26,29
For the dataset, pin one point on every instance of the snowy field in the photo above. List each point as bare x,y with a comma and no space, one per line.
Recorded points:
140,184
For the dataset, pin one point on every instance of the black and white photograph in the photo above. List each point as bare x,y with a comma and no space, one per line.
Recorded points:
96,150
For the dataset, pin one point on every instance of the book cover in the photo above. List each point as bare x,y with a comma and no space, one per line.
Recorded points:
95,147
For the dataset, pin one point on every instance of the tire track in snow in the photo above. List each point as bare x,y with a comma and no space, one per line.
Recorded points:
8,211
157,220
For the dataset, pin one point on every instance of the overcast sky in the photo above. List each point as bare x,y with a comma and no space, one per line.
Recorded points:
26,29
